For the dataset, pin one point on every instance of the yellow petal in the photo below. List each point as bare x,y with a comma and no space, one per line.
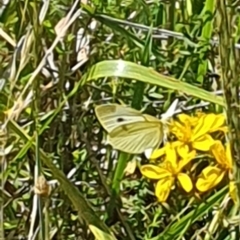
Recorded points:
233,191
184,118
218,123
185,182
229,155
183,162
183,151
176,144
204,143
192,155
218,151
204,125
223,157
161,151
158,153
224,129
154,172
209,178
163,188
171,156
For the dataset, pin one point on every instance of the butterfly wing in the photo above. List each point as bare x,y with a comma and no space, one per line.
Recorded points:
136,137
112,116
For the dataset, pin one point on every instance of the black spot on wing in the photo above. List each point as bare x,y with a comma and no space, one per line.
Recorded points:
120,119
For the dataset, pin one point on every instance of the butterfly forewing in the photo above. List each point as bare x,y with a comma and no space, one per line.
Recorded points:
111,116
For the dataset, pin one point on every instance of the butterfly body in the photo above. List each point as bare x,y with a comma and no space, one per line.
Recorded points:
128,129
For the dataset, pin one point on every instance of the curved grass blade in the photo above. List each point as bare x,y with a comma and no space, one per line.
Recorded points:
125,69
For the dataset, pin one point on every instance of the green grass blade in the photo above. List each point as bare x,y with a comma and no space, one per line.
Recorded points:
131,70
176,228
207,14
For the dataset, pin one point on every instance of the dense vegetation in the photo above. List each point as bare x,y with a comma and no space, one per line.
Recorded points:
59,60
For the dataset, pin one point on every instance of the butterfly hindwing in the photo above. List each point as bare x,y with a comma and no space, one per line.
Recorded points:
135,138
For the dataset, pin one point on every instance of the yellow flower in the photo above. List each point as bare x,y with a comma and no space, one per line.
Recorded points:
211,176
196,133
222,156
193,132
168,172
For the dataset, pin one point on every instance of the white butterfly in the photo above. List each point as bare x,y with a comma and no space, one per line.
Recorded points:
130,130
